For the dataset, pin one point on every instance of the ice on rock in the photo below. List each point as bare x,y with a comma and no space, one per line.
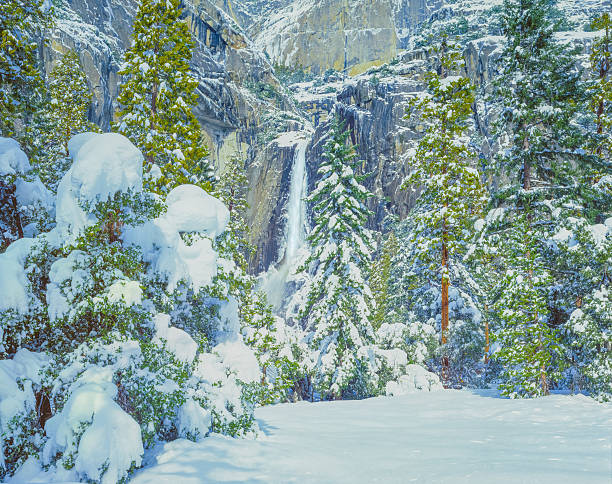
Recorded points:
103,165
111,442
13,160
416,379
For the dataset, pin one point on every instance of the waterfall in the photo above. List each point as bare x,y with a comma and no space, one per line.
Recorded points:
275,280
295,229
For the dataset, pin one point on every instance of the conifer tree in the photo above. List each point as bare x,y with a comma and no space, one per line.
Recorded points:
21,23
540,92
157,97
380,276
63,115
339,302
601,63
443,166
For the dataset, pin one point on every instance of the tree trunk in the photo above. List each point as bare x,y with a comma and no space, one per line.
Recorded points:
487,346
444,314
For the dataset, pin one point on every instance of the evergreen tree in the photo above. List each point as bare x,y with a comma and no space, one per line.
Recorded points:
63,115
540,92
157,97
380,276
601,100
339,303
443,167
21,24
231,189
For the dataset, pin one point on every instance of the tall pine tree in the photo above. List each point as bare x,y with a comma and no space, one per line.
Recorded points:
452,193
339,303
157,96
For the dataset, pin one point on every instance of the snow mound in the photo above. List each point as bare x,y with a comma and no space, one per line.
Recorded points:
191,209
103,165
13,283
177,341
193,420
416,379
12,158
111,442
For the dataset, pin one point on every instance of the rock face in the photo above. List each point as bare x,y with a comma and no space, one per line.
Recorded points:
345,35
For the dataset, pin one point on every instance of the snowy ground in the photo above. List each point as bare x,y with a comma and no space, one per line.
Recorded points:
449,436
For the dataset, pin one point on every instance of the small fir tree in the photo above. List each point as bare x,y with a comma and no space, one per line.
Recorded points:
339,303
380,276
157,97
21,24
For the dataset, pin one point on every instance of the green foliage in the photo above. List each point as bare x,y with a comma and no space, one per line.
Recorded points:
64,114
380,276
601,91
452,194
157,97
21,25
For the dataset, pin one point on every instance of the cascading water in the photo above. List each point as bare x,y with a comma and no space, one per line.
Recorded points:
295,231
274,282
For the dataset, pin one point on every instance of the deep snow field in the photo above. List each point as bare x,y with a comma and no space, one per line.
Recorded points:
452,436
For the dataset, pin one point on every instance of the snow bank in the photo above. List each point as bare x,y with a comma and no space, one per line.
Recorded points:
191,209
110,443
177,341
416,379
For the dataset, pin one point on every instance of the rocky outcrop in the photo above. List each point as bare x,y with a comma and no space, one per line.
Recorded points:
345,35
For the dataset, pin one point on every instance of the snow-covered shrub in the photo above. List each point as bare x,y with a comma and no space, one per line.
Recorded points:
102,293
416,379
20,431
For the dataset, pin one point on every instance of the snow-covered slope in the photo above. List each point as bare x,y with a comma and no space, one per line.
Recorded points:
446,436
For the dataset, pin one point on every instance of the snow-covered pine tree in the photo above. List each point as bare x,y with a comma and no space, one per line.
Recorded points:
540,92
63,115
21,23
339,302
380,276
601,64
21,87
157,96
452,193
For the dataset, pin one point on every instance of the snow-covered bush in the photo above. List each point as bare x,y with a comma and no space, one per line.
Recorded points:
416,379
103,293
